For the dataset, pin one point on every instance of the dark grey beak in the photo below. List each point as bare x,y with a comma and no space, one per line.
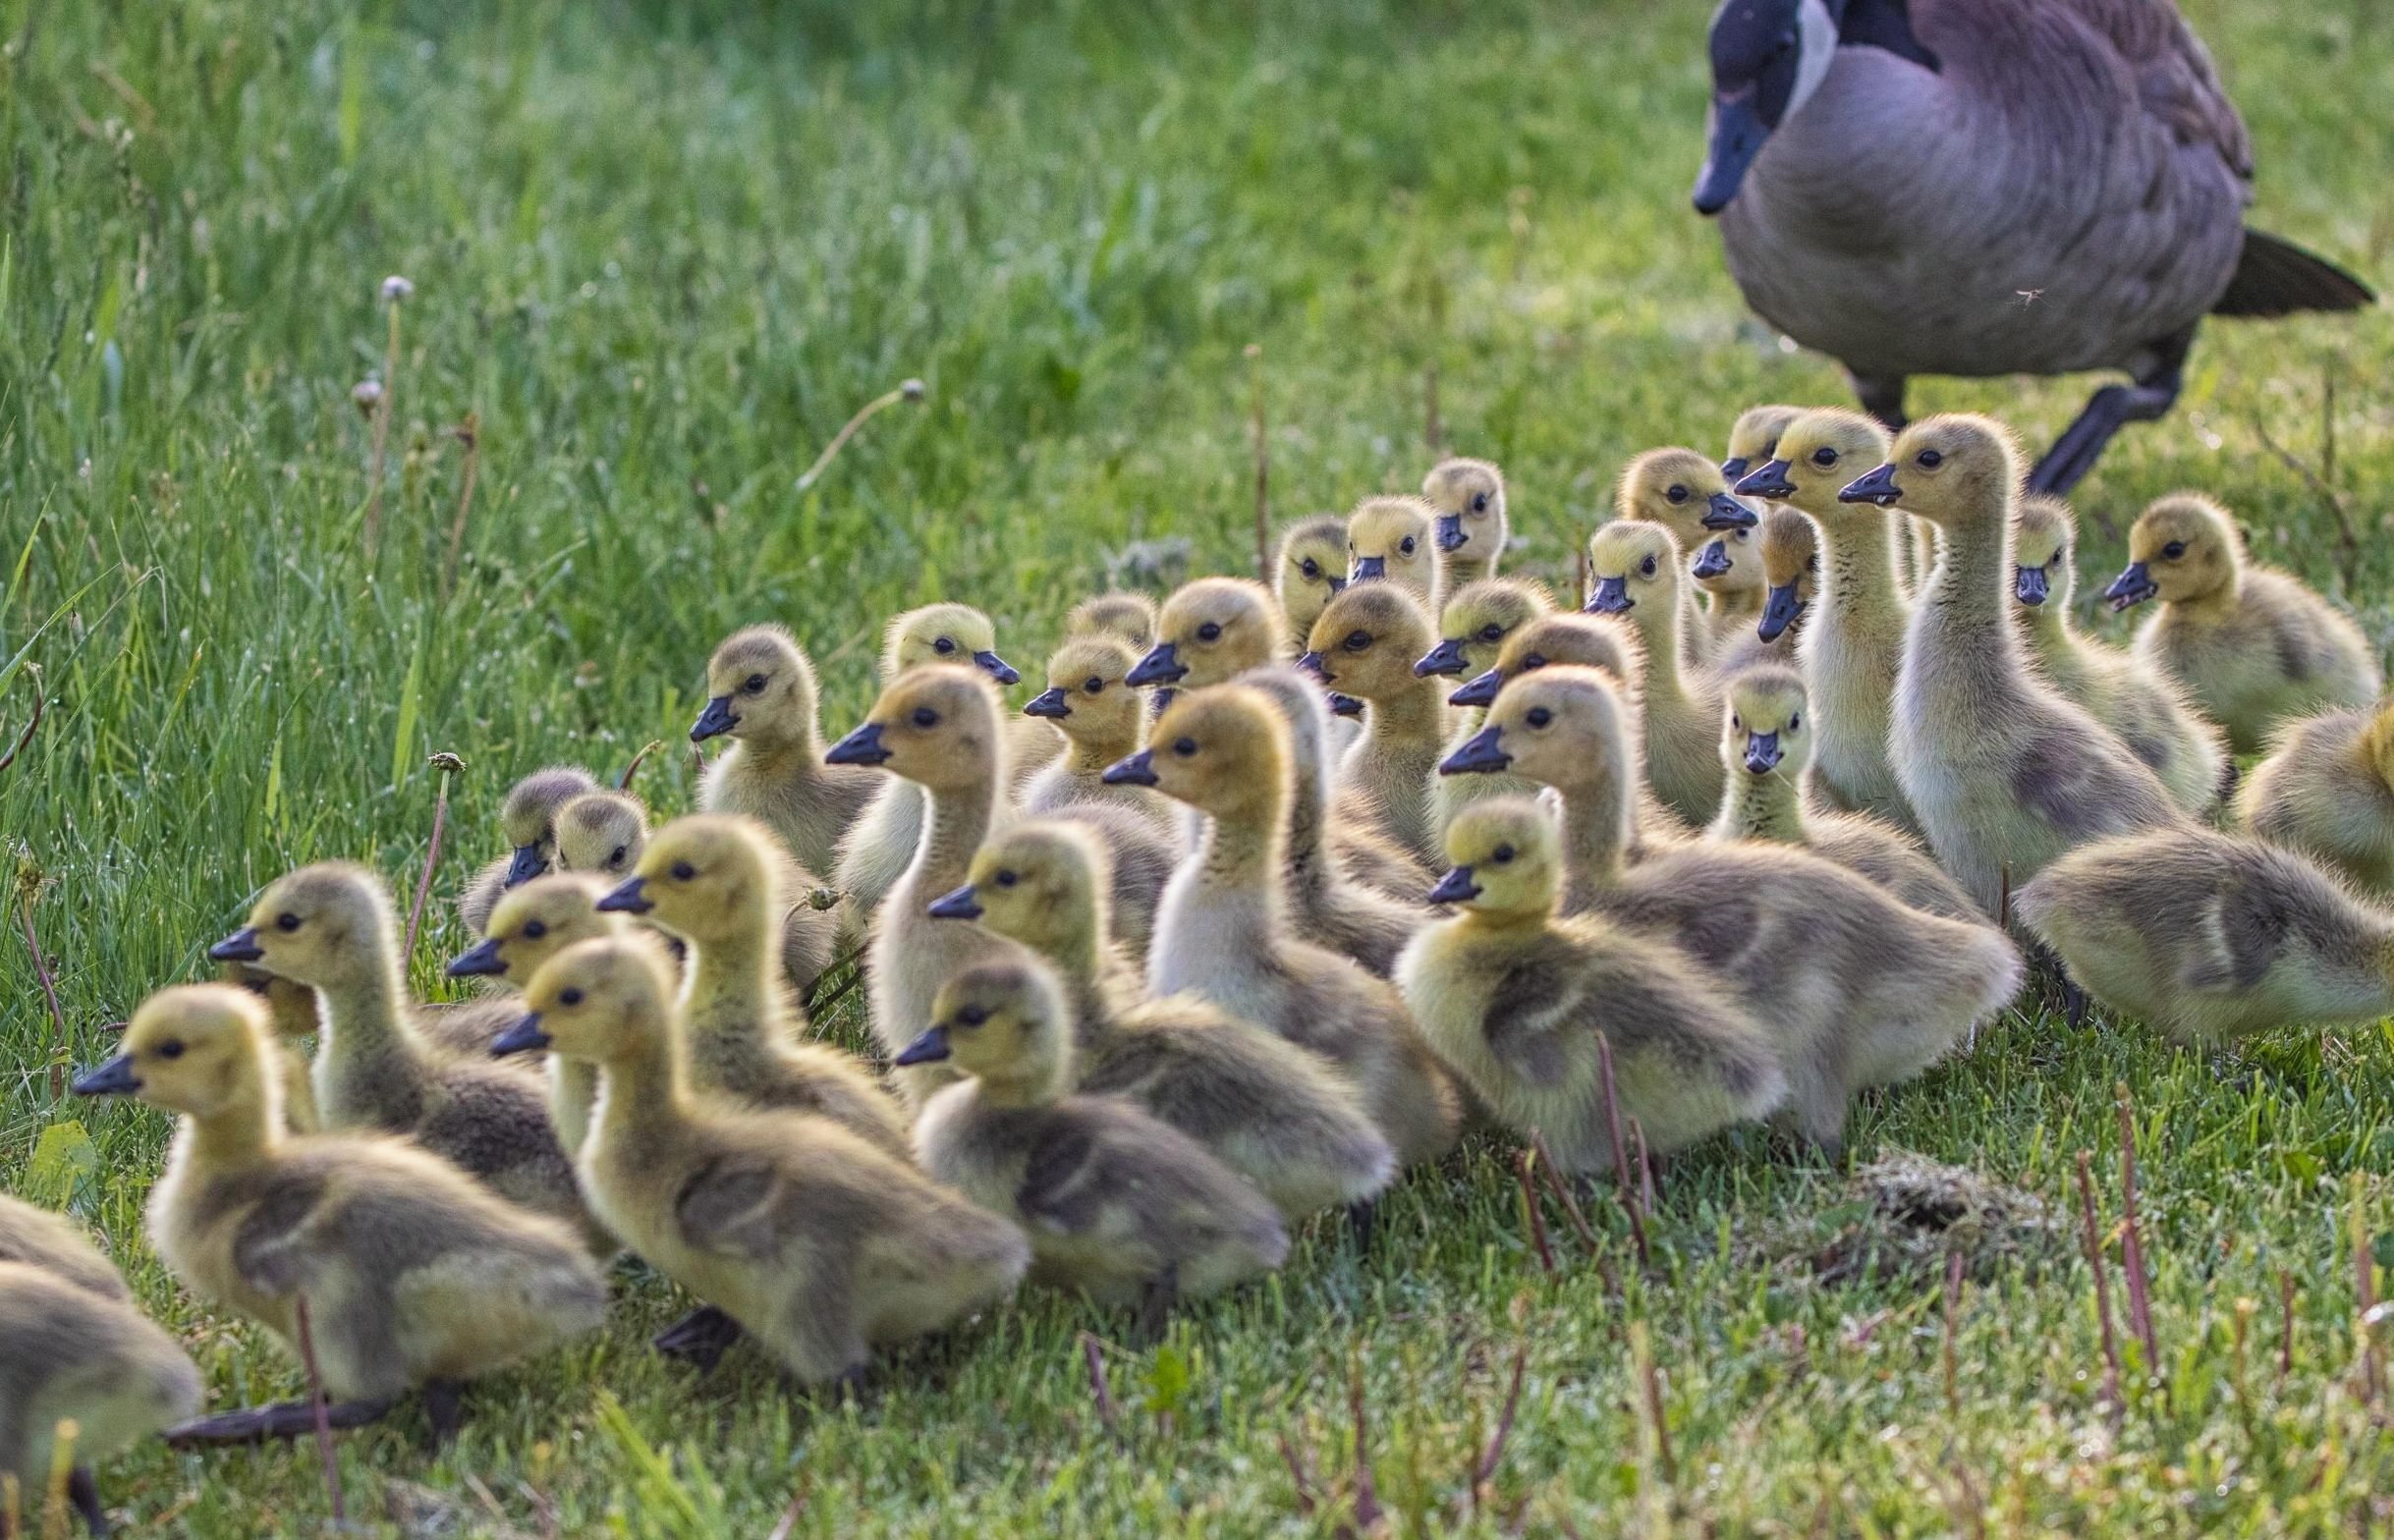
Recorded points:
1480,753
1779,612
1725,513
1736,136
628,897
1137,770
2132,587
1455,887
1313,664
480,960
1345,705
1713,561
1367,567
1732,468
860,748
2030,585
1048,703
240,947
1771,480
1612,597
113,1079
963,903
1337,584
930,1048
716,719
998,668
1763,754
1450,531
1445,658
1161,666
524,1037
1876,487
1481,692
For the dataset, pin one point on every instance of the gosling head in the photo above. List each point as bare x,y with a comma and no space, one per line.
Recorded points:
1819,454
1005,1025
1768,57
1681,491
1768,728
1504,861
1467,499
527,817
936,726
1088,693
1755,438
601,833
943,634
1560,726
325,925
533,924
1474,623
1038,883
1730,565
2377,741
1790,546
192,1048
1127,617
1633,567
1958,471
2182,547
598,1000
1223,750
1597,641
1311,568
760,689
2044,553
709,877
1209,630
1396,538
1366,641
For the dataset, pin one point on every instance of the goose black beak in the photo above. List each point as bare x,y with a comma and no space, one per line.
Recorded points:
716,719
2030,585
963,903
930,1048
1779,612
240,947
113,1079
1713,561
1048,703
996,667
1367,567
1725,513
1479,691
860,748
1450,531
1337,584
1444,659
2132,587
1769,482
1735,136
630,897
1878,486
1137,770
1481,753
1732,468
527,862
1345,705
524,1037
480,960
1456,887
1763,754
1313,664
1161,666
1611,597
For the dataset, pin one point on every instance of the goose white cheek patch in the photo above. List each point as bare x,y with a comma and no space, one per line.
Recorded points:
1816,50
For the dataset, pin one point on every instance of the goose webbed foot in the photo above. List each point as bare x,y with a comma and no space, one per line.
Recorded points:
288,1420
2108,410
85,1493
699,1338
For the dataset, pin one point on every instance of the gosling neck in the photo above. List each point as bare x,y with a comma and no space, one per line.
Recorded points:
1596,831
960,819
732,974
1768,807
1966,595
1087,753
795,753
1857,577
644,1090
2218,603
360,1013
1413,715
1034,1081
245,1130
2047,625
1663,680
1241,848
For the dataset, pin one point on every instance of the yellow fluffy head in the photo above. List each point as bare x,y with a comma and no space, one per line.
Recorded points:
325,925
1671,487
1791,551
1006,1024
1467,499
602,833
1958,471
1634,567
537,921
1560,726
1127,617
1211,630
1224,750
760,687
1310,567
1088,695
943,634
1820,454
709,877
1753,438
600,1001
1505,858
1366,642
1473,624
193,1048
1396,538
1040,883
1767,722
2188,547
937,726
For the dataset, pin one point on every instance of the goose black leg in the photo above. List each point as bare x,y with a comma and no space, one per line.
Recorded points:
1881,396
444,1409
2110,410
701,1336
1155,1304
288,1420
1361,1218
85,1494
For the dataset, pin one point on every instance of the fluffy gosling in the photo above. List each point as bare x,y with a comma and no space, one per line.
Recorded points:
527,819
1635,568
1467,498
761,692
2328,789
1395,538
1365,645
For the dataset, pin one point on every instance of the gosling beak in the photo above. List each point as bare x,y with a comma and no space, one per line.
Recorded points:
716,719
1725,513
930,1048
1345,705
1456,887
524,1037
1732,468
1736,135
2132,587
1048,703
240,947
1367,567
1450,532
1137,770
2030,584
1313,664
1763,754
1612,597
1444,659
1164,697
1161,666
1779,612
960,904
481,960
1481,692
1769,482
860,748
526,863
630,897
1713,561
996,667
113,1079
1878,487
1480,753
1337,584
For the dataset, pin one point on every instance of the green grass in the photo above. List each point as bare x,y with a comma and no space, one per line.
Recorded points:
662,251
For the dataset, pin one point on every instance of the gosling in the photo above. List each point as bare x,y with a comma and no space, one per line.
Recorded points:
761,692
1308,571
527,819
1687,494
1753,438
2328,789
1472,632
1467,498
1365,645
530,925
1127,618
1090,696
1636,573
1395,538
1789,544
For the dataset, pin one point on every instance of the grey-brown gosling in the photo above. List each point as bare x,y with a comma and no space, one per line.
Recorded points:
815,1242
291,1015
530,925
1118,1204
330,926
1767,748
1789,543
74,1355
761,692
1395,537
1467,498
1223,930
1472,632
1637,576
1687,494
2003,771
1275,1114
1858,989
526,819
1127,617
37,1238
2209,938
1754,437
1513,1000
2131,696
1309,570
1852,641
2250,644
416,1276
1365,645
601,834
717,883
1089,698
2328,789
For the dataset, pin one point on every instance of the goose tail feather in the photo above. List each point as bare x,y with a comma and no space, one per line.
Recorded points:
2275,277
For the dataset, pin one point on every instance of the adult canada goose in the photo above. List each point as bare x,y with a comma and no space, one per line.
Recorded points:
761,692
1992,187
527,819
2328,789
1468,497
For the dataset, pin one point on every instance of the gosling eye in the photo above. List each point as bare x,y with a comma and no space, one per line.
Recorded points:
1794,721
1008,877
569,997
1675,493
172,1048
2174,550
1406,545
1535,660
1356,641
1184,747
1735,725
924,716
1824,456
1538,716
1211,631
1502,856
973,1015
1646,567
615,857
1479,502
286,922
1092,684
943,646
753,683
1929,459
683,871
534,930
1491,631
1311,568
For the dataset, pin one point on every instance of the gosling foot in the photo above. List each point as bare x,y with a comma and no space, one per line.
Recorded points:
699,1338
288,1420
